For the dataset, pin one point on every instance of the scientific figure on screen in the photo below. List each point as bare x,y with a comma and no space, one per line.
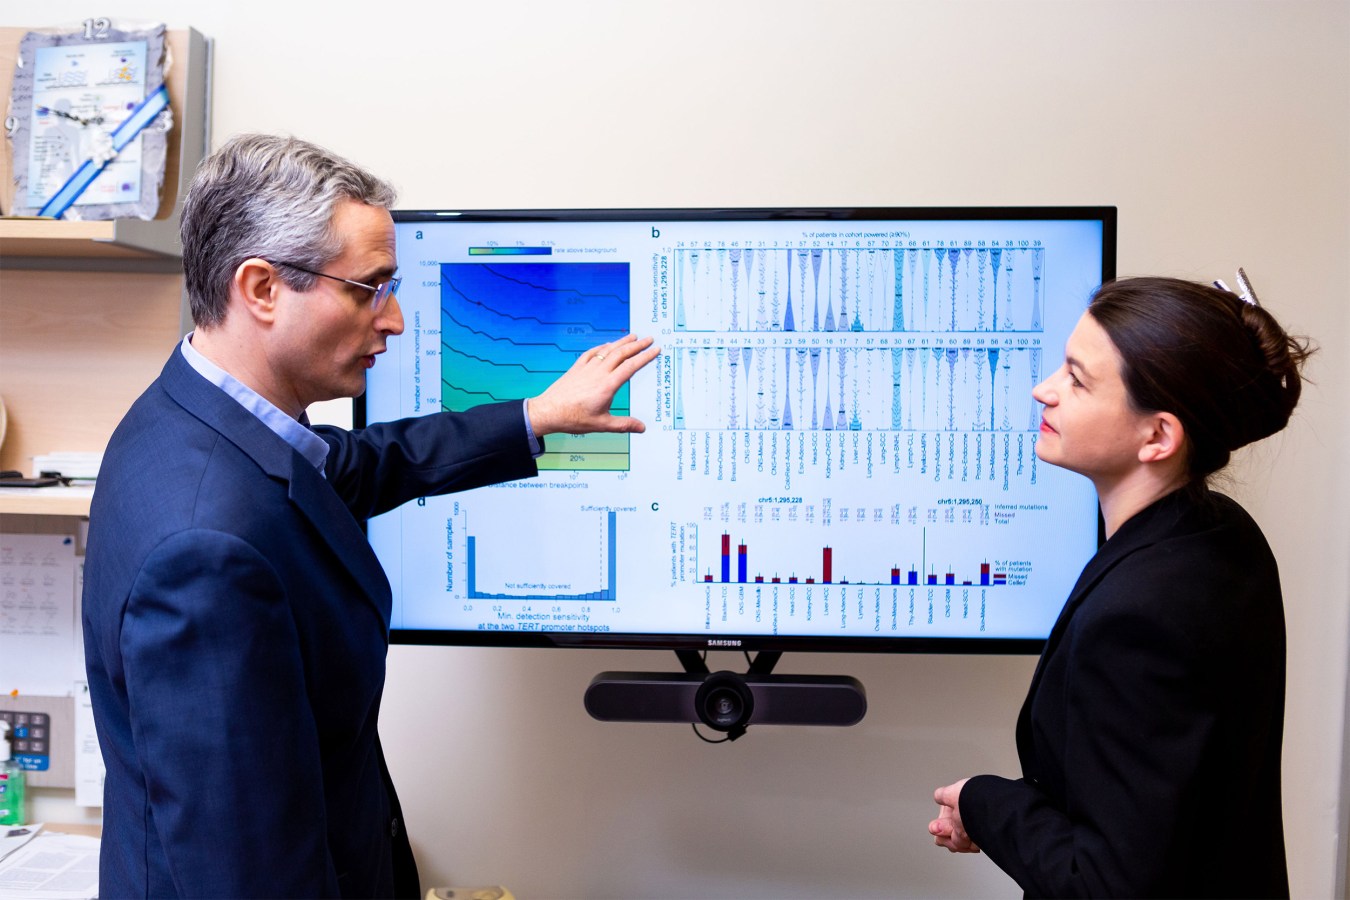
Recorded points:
235,618
1150,737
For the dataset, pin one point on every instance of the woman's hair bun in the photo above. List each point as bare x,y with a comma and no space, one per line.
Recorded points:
1220,363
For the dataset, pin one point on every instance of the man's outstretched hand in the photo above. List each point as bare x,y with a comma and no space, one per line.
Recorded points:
578,402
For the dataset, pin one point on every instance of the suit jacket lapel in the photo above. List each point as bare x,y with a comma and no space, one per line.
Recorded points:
1143,529
307,489
315,498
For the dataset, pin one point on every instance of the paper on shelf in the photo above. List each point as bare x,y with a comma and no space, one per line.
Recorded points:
39,639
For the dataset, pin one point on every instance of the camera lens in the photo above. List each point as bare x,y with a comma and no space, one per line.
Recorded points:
724,707
724,701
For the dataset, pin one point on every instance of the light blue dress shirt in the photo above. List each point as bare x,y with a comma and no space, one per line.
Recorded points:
297,434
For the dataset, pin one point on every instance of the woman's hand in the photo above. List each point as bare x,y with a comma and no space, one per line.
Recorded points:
947,829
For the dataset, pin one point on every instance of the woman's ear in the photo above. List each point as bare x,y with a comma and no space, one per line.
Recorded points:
1164,438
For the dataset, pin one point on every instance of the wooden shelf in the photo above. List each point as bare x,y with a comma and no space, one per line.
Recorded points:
76,346
27,243
46,501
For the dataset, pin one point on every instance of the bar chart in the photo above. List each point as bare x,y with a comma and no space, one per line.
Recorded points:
737,563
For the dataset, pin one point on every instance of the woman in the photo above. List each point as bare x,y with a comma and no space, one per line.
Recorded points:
1150,737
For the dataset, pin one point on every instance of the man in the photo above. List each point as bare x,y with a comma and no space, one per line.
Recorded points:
236,620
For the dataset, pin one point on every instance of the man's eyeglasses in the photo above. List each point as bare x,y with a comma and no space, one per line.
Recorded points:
379,293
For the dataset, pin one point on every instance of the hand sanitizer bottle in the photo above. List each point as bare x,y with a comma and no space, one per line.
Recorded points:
11,782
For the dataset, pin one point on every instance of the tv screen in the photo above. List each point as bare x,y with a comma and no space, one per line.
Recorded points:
841,439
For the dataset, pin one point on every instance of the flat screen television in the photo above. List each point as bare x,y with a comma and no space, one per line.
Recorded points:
840,451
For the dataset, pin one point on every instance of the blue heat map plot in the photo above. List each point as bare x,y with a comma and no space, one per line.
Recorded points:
508,330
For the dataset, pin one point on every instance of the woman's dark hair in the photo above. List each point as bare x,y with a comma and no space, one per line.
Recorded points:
1218,362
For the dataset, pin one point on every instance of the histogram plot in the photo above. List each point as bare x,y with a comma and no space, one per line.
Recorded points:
572,563
508,330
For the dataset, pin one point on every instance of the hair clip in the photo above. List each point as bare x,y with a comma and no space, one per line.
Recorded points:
1247,296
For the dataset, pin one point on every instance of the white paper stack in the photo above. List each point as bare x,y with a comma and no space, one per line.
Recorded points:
80,466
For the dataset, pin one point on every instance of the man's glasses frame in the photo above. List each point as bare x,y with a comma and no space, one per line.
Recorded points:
379,293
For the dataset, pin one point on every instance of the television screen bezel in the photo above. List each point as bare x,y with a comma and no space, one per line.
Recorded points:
750,643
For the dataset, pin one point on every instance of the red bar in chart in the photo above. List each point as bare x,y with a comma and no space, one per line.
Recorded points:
892,576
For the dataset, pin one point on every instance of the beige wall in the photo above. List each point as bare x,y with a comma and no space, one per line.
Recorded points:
1220,129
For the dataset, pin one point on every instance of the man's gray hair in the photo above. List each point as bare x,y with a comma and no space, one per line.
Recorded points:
271,197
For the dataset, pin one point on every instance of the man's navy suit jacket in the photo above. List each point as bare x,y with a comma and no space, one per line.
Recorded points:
236,626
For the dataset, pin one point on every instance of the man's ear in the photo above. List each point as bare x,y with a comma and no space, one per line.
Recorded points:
1164,438
254,286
